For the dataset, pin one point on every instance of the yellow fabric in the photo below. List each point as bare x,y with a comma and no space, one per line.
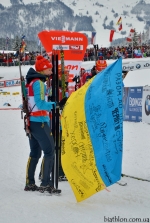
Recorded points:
42,90
28,164
77,156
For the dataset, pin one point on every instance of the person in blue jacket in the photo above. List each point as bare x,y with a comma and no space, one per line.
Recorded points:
40,131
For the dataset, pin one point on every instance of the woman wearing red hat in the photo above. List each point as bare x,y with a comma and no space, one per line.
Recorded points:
41,136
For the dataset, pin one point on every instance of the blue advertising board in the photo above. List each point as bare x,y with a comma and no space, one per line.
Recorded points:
11,83
132,104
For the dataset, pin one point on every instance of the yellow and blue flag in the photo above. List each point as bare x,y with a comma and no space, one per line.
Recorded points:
92,135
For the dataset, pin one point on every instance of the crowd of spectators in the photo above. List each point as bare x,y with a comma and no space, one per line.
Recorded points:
116,52
11,59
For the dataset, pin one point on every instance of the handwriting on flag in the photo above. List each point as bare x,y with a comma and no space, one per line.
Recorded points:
92,133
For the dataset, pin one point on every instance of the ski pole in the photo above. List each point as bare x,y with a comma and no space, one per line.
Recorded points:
136,178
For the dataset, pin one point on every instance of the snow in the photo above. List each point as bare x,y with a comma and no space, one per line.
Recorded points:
138,77
18,206
82,7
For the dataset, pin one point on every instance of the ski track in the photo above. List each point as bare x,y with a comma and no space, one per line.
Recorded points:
17,206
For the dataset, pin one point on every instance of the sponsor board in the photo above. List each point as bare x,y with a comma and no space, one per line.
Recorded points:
133,118
146,105
60,47
136,65
67,47
76,47
139,90
10,83
132,90
140,118
132,104
73,43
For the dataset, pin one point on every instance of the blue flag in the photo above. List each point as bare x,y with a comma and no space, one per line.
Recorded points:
92,136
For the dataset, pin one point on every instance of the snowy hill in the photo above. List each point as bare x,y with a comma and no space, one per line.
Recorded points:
32,16
129,203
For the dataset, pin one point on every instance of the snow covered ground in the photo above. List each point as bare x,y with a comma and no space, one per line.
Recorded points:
127,203
18,206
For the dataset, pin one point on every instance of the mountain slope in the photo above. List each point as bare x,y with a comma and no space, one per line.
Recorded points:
30,17
105,14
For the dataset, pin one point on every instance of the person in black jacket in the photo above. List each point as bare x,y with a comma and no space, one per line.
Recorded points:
40,132
94,71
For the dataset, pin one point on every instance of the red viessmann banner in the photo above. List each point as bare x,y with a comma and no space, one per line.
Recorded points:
74,45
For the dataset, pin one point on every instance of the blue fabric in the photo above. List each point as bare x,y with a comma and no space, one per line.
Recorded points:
41,103
100,54
104,117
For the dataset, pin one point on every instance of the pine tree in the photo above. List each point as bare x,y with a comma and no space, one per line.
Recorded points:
135,38
143,37
147,35
16,44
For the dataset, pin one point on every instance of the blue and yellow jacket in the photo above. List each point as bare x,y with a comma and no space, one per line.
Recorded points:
39,93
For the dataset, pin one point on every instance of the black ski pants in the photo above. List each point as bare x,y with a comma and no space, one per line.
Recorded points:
41,139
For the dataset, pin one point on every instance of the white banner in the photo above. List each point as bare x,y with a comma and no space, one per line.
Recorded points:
146,105
74,70
68,47
136,66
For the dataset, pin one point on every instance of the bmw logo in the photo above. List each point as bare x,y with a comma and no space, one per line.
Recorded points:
147,105
138,66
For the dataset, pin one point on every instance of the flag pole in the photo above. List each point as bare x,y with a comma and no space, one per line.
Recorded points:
132,47
41,47
141,41
7,53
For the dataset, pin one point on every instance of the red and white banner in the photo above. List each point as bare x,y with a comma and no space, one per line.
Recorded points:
131,34
111,35
74,45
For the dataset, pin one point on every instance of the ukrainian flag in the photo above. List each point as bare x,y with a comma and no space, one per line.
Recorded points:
92,138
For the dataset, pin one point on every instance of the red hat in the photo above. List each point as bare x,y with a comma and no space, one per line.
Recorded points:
82,69
42,63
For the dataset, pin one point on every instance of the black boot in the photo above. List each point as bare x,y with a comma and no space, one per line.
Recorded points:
46,184
31,187
49,189
30,171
